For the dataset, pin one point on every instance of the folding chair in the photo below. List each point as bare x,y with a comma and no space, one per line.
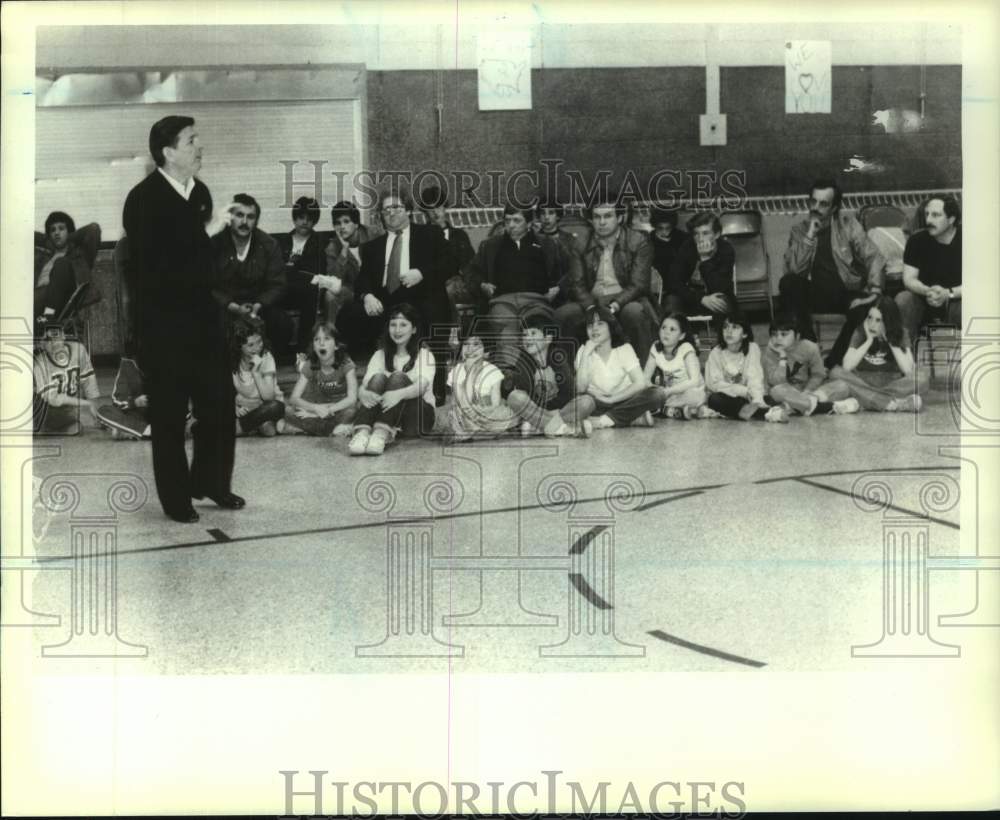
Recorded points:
936,331
751,283
71,317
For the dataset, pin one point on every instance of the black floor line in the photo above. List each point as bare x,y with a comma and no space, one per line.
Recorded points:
219,535
657,503
375,524
584,541
853,472
940,521
705,650
587,591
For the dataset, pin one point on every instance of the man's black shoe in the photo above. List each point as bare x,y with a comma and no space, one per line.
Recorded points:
229,501
188,516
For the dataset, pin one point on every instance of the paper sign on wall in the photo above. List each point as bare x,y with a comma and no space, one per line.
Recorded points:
807,76
504,60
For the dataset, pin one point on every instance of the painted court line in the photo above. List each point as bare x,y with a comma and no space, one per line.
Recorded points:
704,650
895,507
856,472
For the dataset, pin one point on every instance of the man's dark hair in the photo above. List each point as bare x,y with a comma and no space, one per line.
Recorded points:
306,206
59,216
432,197
511,208
660,216
248,201
400,192
164,134
949,205
784,321
549,204
704,218
348,209
823,184
602,199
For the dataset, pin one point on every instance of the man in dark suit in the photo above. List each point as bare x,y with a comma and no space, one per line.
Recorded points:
409,263
182,345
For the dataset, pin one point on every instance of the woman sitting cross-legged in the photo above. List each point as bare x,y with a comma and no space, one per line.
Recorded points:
608,370
396,395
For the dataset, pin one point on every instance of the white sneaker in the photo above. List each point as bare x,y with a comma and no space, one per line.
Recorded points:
376,444
910,404
586,428
777,415
813,401
602,422
645,420
706,412
359,443
342,430
845,407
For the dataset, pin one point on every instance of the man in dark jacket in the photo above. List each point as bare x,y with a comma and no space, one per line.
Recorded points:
182,345
252,272
700,280
64,259
302,251
614,273
518,273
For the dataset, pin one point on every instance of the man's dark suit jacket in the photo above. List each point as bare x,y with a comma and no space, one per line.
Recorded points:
430,254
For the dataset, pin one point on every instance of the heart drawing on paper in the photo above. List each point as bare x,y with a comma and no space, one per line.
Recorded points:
806,81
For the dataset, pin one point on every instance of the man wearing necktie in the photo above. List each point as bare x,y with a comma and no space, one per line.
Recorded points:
409,263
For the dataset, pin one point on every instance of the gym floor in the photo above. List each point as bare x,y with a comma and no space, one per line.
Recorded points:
702,545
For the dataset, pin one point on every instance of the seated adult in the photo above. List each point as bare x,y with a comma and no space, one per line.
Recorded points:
343,256
831,266
700,280
434,205
932,268
614,273
407,264
549,214
64,259
667,240
305,262
518,273
251,273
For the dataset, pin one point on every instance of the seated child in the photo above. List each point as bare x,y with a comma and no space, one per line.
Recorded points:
475,386
609,371
397,394
734,377
323,399
64,382
673,363
794,372
878,369
539,387
259,402
128,414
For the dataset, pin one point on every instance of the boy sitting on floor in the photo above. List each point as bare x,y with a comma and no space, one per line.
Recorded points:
794,373
64,381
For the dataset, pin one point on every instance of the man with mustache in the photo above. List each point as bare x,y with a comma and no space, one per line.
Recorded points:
932,267
252,272
182,343
831,266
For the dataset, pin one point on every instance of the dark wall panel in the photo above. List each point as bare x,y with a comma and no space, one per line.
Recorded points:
647,119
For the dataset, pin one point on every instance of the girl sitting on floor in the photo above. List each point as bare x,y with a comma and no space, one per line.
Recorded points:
397,394
608,370
323,399
673,363
878,368
259,402
475,388
734,377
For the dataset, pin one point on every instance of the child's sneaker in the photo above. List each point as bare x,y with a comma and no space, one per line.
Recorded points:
672,413
603,422
359,443
585,429
909,404
777,415
845,407
527,429
690,412
376,444
813,402
706,412
342,429
645,420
